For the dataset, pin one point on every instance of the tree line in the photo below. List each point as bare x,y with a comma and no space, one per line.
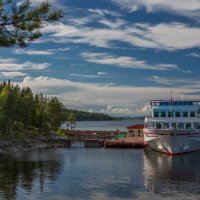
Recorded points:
88,116
20,108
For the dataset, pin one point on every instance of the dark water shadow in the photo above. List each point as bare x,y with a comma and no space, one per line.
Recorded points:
23,170
172,176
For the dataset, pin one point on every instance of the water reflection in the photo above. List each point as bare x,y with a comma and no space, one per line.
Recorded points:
80,173
177,176
23,170
101,174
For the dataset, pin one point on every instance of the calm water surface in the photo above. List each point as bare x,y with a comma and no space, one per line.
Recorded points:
80,173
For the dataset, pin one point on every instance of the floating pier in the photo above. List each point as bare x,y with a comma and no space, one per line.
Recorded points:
127,142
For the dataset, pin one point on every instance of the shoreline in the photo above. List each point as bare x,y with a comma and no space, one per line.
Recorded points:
23,145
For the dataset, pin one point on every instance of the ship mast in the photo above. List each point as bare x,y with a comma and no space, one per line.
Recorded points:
182,95
171,106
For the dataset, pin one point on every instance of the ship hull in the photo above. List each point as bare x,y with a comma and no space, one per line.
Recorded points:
172,143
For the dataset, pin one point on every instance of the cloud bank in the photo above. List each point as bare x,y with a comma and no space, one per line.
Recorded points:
163,36
179,7
114,100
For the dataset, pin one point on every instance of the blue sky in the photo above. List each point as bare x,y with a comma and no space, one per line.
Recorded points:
112,56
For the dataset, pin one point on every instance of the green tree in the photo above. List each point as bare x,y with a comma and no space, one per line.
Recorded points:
26,103
54,112
20,23
4,112
71,120
60,133
40,104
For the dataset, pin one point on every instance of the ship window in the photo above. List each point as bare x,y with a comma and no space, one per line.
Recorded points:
174,103
161,103
185,103
174,125
180,125
170,114
180,103
189,103
156,114
166,125
185,114
158,125
188,125
177,114
152,103
163,114
197,125
192,114
166,103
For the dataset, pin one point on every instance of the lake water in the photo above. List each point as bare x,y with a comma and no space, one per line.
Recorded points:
106,125
99,174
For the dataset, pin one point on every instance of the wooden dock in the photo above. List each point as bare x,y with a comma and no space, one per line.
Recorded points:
91,139
128,142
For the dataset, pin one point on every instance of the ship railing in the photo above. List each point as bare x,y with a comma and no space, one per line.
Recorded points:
172,119
170,129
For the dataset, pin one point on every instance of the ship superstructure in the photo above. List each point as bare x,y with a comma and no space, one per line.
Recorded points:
174,126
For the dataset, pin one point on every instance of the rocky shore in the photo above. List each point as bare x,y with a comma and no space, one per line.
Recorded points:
31,144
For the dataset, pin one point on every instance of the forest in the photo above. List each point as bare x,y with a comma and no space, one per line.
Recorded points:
21,110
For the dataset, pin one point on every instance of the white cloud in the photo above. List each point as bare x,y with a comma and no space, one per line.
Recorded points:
162,80
118,111
98,74
102,73
11,64
180,7
32,52
59,49
118,23
165,36
171,36
12,74
39,52
84,75
194,54
175,82
125,62
61,30
116,99
104,12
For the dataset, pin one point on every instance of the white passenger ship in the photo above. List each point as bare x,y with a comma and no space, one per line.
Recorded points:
174,126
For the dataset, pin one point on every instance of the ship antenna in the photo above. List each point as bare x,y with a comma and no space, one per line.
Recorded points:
182,96
171,97
171,105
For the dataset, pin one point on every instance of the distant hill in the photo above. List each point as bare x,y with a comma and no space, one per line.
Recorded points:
88,116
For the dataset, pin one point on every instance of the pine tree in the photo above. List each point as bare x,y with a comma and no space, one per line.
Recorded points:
20,23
